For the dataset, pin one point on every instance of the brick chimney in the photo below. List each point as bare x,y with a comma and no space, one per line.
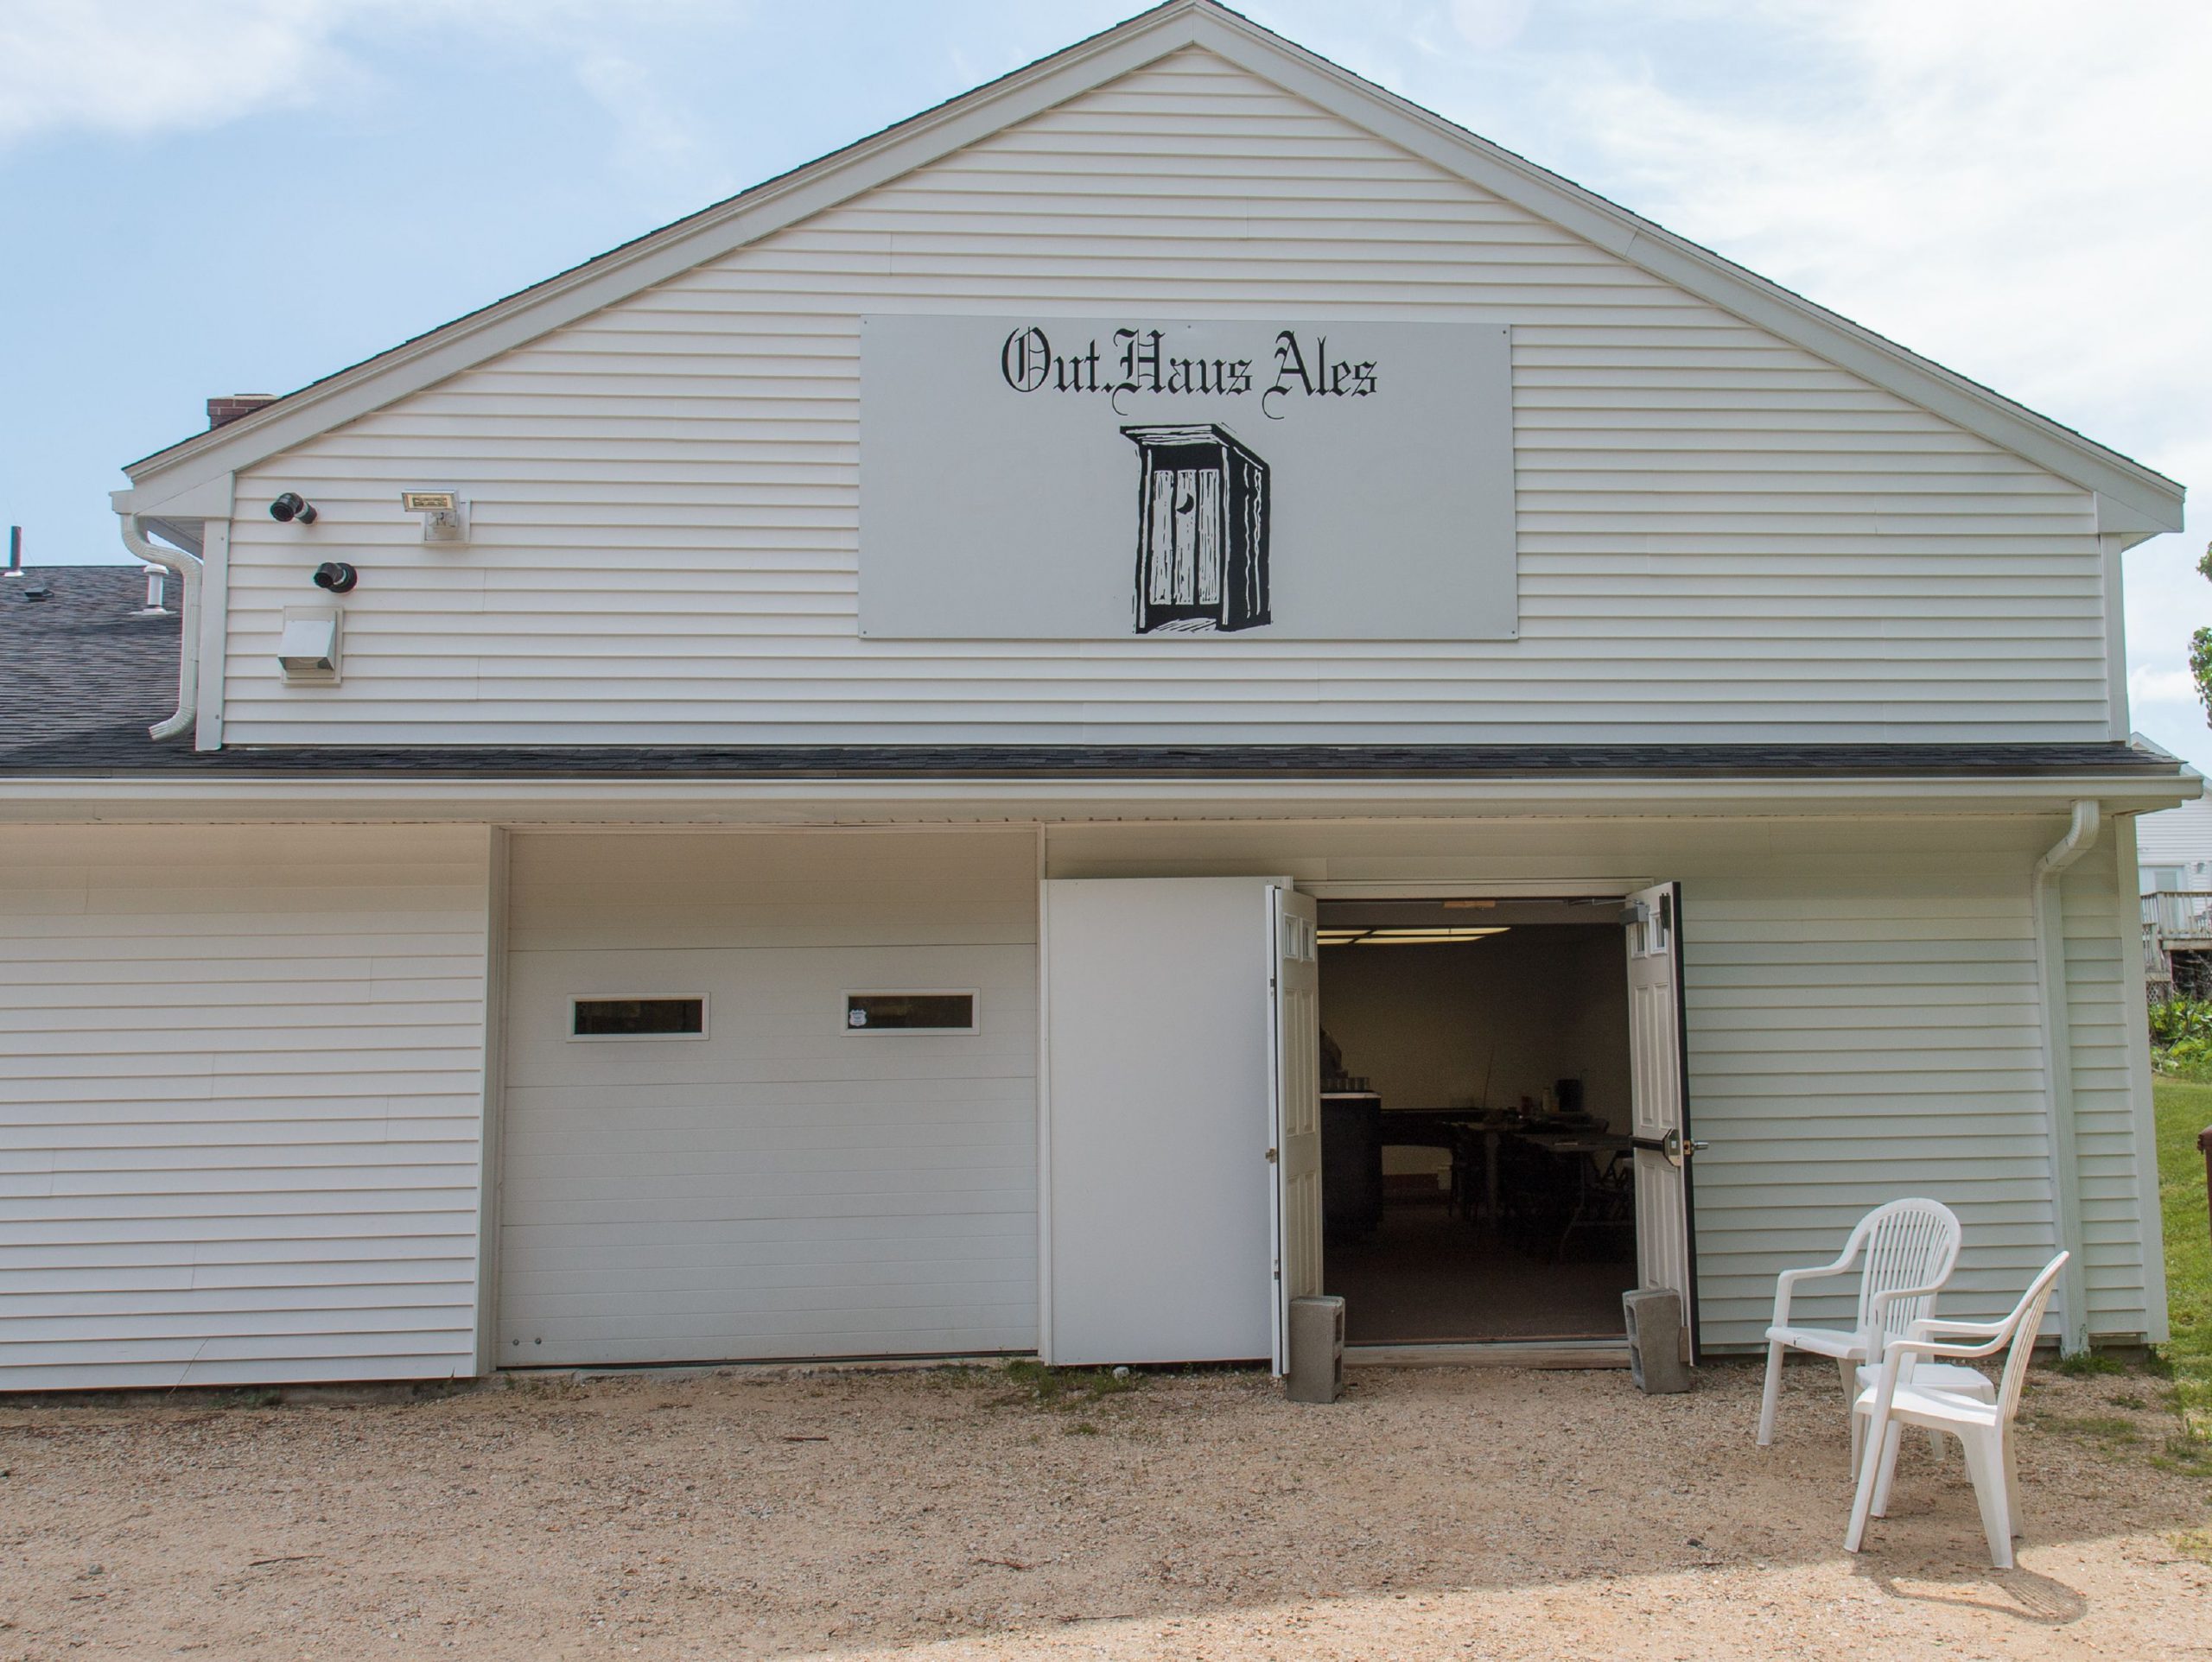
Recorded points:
226,409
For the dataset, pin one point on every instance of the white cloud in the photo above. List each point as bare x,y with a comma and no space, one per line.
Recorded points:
1486,25
117,66
2014,184
142,67
2170,686
2016,188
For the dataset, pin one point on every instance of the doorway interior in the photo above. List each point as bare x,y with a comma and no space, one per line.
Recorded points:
1477,1178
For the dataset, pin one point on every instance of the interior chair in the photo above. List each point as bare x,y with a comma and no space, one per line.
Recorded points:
1909,1248
1908,1391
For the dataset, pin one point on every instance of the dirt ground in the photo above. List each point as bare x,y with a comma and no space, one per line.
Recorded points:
1444,1512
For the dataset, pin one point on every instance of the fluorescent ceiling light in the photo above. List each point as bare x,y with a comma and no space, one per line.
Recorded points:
1408,937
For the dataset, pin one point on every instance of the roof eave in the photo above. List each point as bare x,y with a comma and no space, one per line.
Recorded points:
796,804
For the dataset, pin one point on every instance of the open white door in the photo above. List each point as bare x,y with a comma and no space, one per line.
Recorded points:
1297,1146
1160,1063
1660,1107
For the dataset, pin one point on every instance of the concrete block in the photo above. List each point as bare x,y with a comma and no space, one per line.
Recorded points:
1655,1341
1317,1350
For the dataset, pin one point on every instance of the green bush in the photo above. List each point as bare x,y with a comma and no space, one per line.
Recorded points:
2180,1019
2181,1038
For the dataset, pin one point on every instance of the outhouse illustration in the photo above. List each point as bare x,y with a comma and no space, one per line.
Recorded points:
1202,530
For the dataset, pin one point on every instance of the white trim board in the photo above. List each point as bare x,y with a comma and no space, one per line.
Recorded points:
965,804
2132,500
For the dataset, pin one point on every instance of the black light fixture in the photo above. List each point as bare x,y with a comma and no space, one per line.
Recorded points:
290,506
335,575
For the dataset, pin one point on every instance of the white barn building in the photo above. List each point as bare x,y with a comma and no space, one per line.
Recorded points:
913,697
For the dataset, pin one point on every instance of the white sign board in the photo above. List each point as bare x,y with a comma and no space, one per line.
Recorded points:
1038,478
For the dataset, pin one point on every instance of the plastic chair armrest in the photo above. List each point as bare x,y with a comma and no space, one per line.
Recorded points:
1786,1283
1927,1327
1895,1295
1897,1349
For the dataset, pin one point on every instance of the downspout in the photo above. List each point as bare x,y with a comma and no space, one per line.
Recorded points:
2058,1067
187,568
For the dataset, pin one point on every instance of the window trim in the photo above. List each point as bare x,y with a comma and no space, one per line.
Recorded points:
577,998
972,994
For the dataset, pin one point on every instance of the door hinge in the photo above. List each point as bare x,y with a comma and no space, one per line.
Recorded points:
1271,1156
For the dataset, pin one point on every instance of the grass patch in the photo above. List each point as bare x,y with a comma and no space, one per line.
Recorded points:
1067,1388
2191,1456
2183,1109
2097,1428
2083,1364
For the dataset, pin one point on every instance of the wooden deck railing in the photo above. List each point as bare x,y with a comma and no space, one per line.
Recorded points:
2178,919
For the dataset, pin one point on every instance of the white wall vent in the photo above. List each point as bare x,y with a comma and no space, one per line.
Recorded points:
308,648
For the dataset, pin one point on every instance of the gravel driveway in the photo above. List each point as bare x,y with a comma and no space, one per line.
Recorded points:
1444,1512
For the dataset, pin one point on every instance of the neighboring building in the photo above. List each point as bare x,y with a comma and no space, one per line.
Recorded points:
2173,849
829,819
2173,853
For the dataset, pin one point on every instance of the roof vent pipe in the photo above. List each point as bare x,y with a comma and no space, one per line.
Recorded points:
187,658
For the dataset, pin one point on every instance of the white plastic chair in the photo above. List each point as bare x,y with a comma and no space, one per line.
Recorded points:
1907,1394
1910,1247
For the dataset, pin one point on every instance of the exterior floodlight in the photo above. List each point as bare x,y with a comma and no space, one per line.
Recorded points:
445,516
291,506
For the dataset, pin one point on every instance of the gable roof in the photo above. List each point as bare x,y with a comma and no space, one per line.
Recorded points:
2132,499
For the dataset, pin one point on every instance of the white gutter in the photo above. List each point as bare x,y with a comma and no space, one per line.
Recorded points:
188,668
2058,1067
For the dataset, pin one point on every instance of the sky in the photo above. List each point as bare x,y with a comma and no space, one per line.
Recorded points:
209,196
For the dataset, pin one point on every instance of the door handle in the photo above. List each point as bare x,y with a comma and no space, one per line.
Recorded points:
1672,1145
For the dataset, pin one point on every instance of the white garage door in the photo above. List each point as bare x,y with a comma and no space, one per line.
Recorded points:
781,1186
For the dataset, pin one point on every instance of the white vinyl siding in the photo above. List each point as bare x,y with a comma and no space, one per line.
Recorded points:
1720,537
1857,1034
2179,838
241,1099
779,1189
1862,1021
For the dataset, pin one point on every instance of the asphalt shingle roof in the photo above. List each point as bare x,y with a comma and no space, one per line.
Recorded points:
79,663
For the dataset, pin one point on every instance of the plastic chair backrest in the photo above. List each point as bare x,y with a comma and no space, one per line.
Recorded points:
2025,1323
1911,1243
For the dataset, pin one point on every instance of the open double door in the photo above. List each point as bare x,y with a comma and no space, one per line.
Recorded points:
1180,1131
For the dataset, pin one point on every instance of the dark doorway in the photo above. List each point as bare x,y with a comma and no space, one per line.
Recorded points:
1477,1181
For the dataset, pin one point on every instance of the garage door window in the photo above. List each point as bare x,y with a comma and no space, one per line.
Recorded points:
909,1013
604,1016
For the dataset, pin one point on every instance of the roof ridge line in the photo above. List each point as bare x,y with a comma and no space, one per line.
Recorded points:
1093,62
